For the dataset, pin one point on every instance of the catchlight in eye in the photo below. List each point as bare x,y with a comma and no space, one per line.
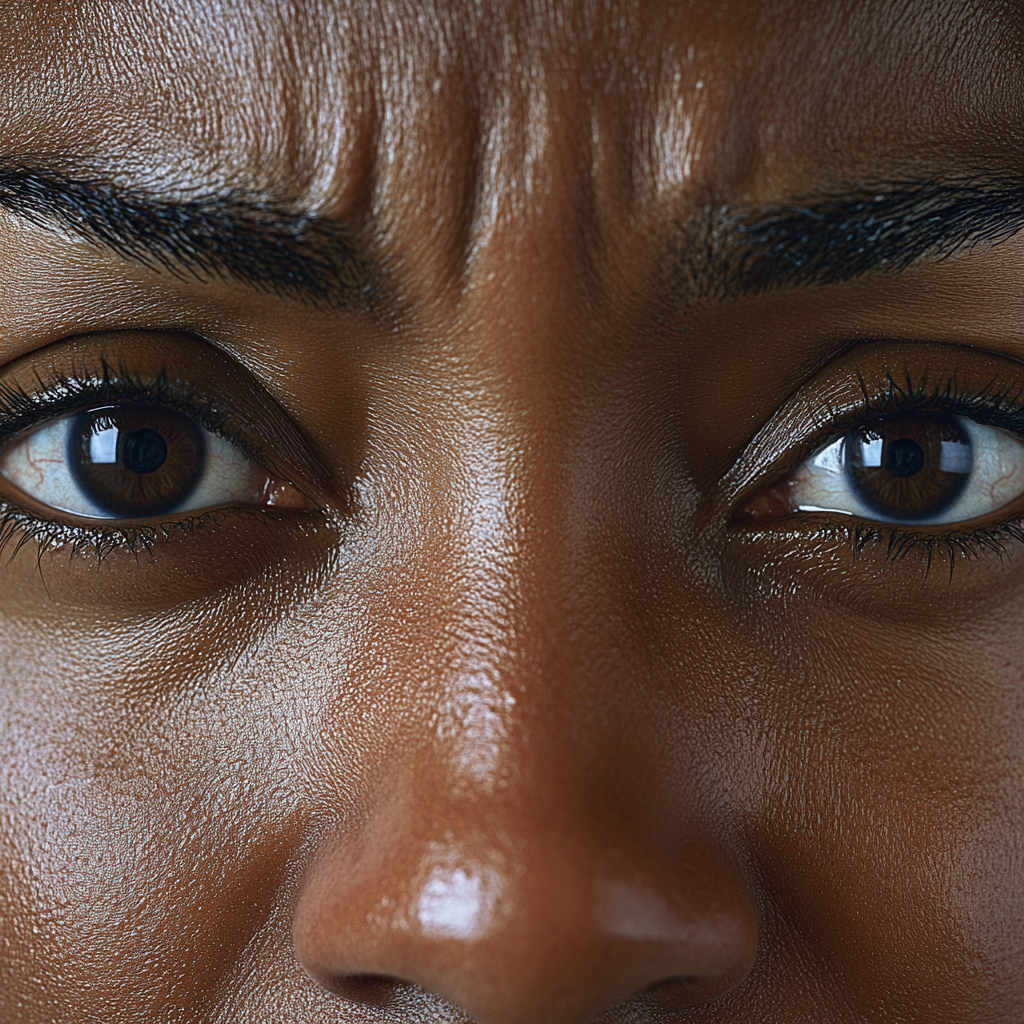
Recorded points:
913,468
909,467
135,461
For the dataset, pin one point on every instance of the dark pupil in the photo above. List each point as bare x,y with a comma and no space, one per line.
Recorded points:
135,461
904,457
910,466
145,451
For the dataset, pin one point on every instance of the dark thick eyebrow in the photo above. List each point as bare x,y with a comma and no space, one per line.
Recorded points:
227,236
727,251
732,251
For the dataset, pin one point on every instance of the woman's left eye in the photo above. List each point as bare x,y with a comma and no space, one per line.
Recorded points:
912,468
125,462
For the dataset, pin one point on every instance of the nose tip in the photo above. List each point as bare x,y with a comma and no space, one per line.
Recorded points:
549,932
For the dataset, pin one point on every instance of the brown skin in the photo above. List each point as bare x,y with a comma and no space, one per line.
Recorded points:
513,726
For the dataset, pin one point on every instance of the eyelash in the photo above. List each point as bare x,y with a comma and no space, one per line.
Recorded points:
990,406
100,542
65,393
62,393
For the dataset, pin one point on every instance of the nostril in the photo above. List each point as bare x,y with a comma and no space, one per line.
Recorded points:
397,998
548,931
672,994
369,989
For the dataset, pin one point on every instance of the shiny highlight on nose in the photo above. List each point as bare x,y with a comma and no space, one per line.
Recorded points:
512,917
457,902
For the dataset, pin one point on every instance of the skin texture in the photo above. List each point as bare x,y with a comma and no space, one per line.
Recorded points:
514,723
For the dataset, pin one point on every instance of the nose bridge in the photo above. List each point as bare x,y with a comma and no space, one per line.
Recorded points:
538,690
521,855
534,609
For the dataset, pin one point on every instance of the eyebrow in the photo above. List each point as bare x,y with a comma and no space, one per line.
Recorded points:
733,251
228,236
727,251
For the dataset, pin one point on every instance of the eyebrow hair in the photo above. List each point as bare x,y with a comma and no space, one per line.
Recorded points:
734,251
229,236
728,251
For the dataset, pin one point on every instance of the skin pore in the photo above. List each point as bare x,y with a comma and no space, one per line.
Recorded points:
531,703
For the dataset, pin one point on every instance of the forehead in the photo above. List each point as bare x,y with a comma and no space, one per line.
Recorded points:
447,120
296,94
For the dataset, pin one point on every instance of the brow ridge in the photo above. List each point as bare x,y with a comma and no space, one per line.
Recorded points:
727,251
230,235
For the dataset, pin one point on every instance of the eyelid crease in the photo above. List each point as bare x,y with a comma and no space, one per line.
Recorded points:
178,371
983,386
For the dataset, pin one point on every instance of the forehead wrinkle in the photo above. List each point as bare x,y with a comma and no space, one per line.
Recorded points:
540,97
306,123
264,96
442,116
467,121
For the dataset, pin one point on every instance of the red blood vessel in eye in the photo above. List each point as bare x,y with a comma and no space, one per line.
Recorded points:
136,461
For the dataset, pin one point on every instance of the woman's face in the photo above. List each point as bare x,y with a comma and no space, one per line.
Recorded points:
512,512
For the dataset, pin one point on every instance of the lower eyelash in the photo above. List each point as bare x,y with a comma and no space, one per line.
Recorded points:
957,548
19,527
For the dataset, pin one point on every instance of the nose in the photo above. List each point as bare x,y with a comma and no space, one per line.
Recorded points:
546,901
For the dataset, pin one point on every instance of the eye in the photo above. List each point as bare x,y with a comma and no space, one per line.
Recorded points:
136,461
916,468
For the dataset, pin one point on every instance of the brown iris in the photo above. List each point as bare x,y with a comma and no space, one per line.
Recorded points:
909,466
136,461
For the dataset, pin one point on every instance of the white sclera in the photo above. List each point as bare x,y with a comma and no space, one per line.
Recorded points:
37,464
995,461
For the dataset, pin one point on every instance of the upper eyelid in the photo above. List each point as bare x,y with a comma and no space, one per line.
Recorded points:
65,395
845,395
46,407
198,379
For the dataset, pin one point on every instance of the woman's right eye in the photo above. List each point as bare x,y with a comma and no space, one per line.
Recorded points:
137,461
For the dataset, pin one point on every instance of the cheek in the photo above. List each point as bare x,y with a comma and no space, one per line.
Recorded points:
160,799
888,820
150,810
